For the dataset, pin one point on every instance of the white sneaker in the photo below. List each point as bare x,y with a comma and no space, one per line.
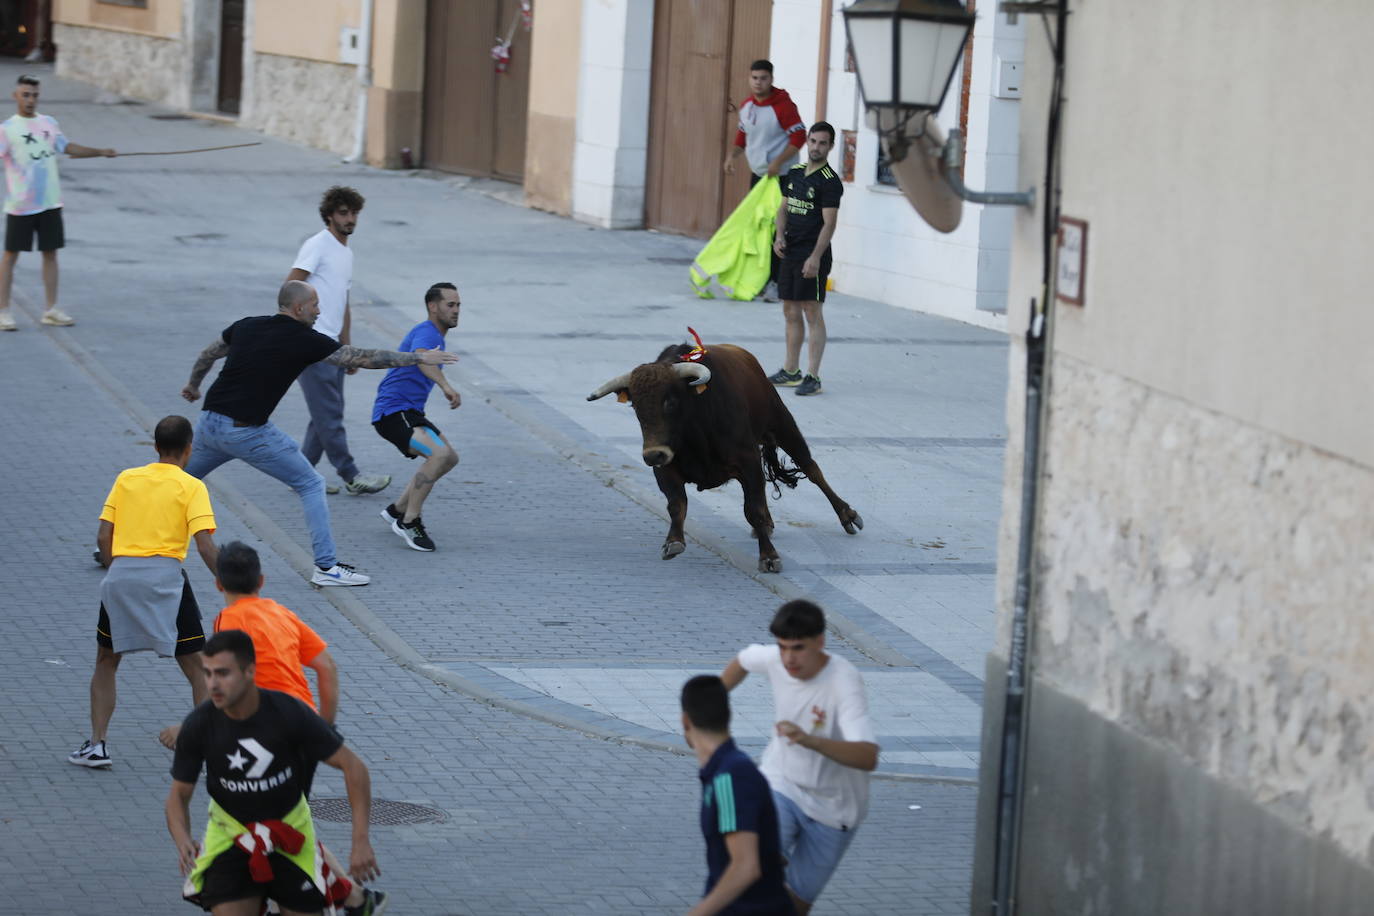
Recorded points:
7,321
57,318
338,574
90,755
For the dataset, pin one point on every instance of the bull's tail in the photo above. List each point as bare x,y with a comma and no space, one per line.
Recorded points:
774,470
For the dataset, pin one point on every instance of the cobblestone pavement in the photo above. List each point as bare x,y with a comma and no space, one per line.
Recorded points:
523,678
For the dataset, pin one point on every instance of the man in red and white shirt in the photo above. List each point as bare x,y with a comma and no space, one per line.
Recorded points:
771,131
770,134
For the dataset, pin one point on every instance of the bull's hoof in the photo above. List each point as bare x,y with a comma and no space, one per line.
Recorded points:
854,525
672,549
770,564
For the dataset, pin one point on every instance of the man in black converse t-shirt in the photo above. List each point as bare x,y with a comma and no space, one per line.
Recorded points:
265,354
259,749
806,220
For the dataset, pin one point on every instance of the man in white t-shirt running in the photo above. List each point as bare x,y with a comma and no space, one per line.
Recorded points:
819,759
326,262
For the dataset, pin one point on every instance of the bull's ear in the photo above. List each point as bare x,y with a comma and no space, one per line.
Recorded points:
622,396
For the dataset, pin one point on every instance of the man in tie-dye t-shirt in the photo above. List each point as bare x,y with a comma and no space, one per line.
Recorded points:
29,146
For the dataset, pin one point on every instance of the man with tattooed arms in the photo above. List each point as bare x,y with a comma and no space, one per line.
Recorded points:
265,355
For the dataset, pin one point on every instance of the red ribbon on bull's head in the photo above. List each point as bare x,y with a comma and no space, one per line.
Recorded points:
697,352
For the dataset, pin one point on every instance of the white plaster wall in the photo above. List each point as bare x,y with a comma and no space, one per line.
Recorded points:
610,158
1206,562
883,249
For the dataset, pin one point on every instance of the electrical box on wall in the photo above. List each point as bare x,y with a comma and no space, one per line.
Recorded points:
1008,79
350,45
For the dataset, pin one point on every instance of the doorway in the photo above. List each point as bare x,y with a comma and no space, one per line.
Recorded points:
474,117
230,85
702,51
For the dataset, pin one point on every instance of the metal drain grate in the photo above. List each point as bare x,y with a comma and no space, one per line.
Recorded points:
170,117
664,260
384,813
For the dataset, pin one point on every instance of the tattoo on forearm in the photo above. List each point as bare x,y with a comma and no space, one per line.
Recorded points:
350,357
207,358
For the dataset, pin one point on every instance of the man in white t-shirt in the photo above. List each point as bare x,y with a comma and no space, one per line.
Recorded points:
326,262
819,759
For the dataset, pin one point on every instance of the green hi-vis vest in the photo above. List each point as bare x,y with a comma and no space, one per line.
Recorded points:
222,829
734,264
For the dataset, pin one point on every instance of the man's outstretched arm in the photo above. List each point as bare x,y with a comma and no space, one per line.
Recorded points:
216,351
350,357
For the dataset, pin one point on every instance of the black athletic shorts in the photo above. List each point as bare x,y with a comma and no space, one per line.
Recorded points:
396,429
20,230
190,635
793,287
228,878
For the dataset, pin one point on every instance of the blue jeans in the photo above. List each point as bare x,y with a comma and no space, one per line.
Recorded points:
274,453
322,384
813,849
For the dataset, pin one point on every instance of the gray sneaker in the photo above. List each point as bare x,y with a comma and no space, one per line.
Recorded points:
809,385
368,483
786,379
338,574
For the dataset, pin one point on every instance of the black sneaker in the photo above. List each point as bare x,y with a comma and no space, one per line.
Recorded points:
90,755
786,379
374,903
414,534
809,385
390,514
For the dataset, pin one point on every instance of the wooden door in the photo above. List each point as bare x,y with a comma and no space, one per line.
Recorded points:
474,118
230,84
702,51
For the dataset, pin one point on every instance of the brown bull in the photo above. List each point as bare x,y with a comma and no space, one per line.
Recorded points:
714,420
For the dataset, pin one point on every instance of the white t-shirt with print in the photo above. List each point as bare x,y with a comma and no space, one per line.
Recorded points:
330,265
833,704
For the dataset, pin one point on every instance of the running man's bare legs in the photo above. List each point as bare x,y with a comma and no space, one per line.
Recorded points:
103,692
442,459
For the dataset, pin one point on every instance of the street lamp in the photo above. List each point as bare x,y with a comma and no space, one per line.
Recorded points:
905,55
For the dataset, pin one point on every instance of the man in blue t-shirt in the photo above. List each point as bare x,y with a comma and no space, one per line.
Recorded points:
398,415
743,860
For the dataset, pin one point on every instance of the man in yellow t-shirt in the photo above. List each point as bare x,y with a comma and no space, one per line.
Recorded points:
146,603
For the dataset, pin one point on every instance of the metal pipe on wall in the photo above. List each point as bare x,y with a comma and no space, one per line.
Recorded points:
823,64
364,83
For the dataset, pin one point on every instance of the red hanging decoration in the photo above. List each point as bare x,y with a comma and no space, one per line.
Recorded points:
500,53
526,14
696,352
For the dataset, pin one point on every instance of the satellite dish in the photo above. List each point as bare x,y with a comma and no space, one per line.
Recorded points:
920,174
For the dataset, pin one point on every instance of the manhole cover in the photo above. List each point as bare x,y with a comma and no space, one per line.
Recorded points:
384,813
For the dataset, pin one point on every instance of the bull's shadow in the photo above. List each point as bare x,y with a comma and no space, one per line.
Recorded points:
709,416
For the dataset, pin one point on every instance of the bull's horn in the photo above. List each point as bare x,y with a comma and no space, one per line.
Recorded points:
620,381
694,373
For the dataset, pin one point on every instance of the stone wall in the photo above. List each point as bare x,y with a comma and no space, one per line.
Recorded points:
139,66
304,101
1210,585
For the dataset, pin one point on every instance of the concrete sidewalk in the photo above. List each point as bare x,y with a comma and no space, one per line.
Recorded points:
546,597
